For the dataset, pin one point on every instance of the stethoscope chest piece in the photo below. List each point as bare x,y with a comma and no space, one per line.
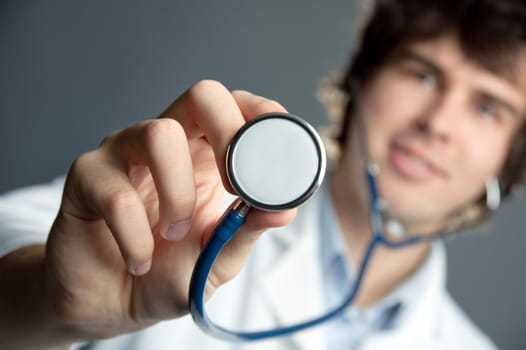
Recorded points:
276,161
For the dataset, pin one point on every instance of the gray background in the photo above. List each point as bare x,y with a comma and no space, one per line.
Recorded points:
71,71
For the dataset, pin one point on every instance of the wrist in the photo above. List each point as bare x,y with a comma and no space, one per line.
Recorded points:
29,320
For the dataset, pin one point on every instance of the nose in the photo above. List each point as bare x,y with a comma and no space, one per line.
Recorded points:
440,118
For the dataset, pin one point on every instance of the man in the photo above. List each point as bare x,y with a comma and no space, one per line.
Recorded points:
443,107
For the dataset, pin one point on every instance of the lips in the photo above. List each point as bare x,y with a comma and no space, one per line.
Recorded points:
414,162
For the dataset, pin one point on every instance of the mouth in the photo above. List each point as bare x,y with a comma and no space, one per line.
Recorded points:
414,163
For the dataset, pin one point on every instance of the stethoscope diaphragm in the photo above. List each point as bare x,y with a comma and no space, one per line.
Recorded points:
276,161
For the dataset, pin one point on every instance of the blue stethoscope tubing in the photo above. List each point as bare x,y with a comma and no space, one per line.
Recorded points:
226,230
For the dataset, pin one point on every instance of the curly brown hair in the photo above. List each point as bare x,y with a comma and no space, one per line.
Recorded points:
490,32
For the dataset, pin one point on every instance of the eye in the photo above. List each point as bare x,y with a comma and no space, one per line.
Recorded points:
486,110
426,78
419,74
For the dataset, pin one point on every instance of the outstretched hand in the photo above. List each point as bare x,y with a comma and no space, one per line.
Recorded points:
137,211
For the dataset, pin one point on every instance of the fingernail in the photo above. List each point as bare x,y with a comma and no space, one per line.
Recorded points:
178,230
141,269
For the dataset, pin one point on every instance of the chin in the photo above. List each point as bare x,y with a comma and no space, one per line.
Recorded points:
413,206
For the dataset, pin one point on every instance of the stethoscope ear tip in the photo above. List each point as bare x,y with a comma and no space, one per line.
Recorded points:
373,168
395,228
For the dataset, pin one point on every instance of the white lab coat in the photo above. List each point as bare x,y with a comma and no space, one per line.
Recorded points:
282,280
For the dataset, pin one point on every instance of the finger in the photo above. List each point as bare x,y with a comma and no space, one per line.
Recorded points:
210,110
106,191
257,222
253,105
162,145
207,109
238,248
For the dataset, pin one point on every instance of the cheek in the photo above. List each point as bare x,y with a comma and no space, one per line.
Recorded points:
383,113
476,165
381,103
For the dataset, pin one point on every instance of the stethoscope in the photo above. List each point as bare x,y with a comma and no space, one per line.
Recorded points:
275,162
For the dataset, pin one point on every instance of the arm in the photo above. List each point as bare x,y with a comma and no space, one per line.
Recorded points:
27,318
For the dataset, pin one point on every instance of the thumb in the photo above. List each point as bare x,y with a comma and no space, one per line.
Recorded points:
236,251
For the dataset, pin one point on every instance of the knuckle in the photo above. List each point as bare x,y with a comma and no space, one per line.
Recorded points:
82,163
108,139
120,200
219,276
204,88
163,128
183,202
267,106
139,251
238,92
182,205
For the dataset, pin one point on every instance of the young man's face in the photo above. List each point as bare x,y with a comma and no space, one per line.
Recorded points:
439,125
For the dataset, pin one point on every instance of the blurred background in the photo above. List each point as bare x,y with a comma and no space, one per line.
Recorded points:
72,71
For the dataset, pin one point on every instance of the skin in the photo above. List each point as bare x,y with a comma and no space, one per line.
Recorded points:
435,150
137,210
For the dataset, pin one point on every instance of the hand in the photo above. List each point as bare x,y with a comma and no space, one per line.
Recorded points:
137,211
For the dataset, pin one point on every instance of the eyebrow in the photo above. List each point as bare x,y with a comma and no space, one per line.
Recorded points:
420,59
413,56
502,103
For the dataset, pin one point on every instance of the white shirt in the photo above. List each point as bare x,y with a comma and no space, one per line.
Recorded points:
284,278
355,325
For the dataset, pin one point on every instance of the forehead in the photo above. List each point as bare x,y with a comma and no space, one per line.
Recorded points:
448,55
509,65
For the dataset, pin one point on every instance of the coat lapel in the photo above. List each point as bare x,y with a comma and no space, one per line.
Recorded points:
292,287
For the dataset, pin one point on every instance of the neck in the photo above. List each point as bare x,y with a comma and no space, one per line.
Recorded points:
388,268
